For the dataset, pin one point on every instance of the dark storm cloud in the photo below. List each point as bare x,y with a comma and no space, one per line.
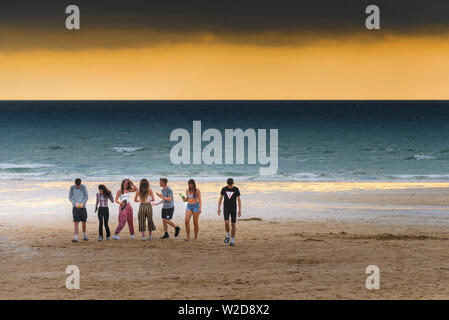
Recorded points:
227,18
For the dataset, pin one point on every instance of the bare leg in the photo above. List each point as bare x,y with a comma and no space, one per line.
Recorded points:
187,223
196,224
76,227
227,226
233,229
164,223
169,222
84,226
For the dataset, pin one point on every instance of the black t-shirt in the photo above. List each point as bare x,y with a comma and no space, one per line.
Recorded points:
230,197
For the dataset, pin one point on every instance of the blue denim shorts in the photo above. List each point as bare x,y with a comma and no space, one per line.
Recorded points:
193,207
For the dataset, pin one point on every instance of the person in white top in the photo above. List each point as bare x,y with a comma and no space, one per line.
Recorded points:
125,211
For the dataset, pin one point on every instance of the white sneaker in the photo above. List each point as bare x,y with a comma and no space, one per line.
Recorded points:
150,237
132,237
143,238
116,237
100,238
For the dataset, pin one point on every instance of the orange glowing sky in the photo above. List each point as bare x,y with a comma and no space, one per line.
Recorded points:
389,69
141,63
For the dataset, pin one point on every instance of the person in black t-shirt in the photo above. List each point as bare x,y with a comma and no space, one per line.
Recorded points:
231,195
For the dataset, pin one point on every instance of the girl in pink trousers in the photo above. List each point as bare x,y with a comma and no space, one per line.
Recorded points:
125,211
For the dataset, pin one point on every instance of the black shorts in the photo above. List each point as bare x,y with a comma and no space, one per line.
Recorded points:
167,213
79,214
230,212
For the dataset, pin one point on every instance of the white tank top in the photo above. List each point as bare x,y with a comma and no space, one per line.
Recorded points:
124,196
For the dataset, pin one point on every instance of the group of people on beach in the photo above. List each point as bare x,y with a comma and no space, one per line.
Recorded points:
144,195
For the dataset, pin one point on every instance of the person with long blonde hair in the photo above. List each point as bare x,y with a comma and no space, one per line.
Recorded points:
145,197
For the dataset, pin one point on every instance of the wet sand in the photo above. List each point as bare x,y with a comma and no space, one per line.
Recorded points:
320,255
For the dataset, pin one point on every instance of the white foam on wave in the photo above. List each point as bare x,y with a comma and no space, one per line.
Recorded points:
126,149
422,157
421,176
11,166
295,177
24,176
307,175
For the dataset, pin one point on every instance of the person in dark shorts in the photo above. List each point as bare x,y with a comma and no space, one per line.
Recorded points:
168,207
231,195
78,197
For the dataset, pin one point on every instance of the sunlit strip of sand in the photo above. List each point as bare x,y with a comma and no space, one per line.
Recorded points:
422,202
264,187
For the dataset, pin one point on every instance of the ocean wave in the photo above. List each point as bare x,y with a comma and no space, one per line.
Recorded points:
420,177
12,166
126,149
307,175
108,176
422,157
44,176
24,176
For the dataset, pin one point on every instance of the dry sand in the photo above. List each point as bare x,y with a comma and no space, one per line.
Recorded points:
273,259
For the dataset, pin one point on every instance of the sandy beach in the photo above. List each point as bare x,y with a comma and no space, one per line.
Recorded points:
294,241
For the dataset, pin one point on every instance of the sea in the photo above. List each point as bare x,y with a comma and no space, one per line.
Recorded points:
317,140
